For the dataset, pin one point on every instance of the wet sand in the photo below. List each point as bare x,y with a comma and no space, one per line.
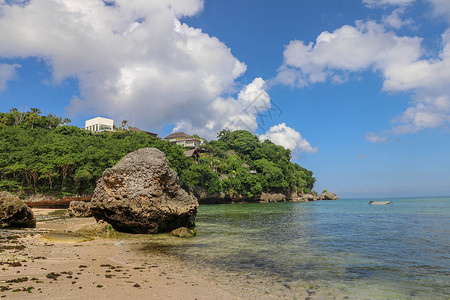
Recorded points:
63,267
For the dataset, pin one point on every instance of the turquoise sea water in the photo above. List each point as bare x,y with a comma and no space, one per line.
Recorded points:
331,249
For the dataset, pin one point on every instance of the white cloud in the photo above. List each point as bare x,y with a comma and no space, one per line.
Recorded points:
395,19
398,59
349,48
375,138
441,8
133,57
289,138
375,3
428,112
7,73
230,113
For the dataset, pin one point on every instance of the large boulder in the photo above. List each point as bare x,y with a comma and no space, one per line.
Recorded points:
79,209
142,194
15,213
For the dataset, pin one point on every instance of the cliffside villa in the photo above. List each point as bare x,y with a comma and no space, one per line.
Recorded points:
183,139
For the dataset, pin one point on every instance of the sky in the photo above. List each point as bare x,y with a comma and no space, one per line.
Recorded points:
359,90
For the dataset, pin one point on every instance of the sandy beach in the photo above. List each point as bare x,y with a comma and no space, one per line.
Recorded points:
40,264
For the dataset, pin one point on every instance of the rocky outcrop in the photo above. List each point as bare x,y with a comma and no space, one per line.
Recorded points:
142,194
201,193
204,197
308,197
328,196
277,197
79,209
15,213
184,232
314,197
222,198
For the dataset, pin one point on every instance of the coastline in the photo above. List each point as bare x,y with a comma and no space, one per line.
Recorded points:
101,268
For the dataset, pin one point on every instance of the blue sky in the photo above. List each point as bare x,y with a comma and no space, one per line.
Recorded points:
359,90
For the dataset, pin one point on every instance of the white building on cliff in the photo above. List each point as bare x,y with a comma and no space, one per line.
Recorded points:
99,124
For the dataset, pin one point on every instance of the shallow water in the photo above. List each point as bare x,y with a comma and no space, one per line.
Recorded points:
343,248
64,237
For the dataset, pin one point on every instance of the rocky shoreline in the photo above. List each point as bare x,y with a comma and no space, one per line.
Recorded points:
220,198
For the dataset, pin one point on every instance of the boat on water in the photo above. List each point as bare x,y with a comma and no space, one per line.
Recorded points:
380,202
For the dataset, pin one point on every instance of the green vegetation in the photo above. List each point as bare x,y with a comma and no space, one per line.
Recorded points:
238,163
38,154
42,154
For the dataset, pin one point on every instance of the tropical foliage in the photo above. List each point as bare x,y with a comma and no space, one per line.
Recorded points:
38,154
43,154
238,163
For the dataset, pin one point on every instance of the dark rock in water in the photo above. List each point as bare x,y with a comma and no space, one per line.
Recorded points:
328,196
142,194
15,213
184,232
79,209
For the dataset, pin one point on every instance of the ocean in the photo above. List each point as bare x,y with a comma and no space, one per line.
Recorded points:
344,249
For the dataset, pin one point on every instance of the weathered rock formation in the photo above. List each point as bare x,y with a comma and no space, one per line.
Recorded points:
222,198
308,197
328,196
14,212
79,209
267,197
201,193
142,194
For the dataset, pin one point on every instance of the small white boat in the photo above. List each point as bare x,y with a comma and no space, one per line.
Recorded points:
380,202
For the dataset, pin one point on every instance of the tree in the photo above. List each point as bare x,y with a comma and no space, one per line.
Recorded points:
201,175
243,142
245,183
273,176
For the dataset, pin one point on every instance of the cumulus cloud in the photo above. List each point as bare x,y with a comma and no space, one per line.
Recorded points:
230,113
289,138
129,57
7,72
399,60
428,112
348,49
